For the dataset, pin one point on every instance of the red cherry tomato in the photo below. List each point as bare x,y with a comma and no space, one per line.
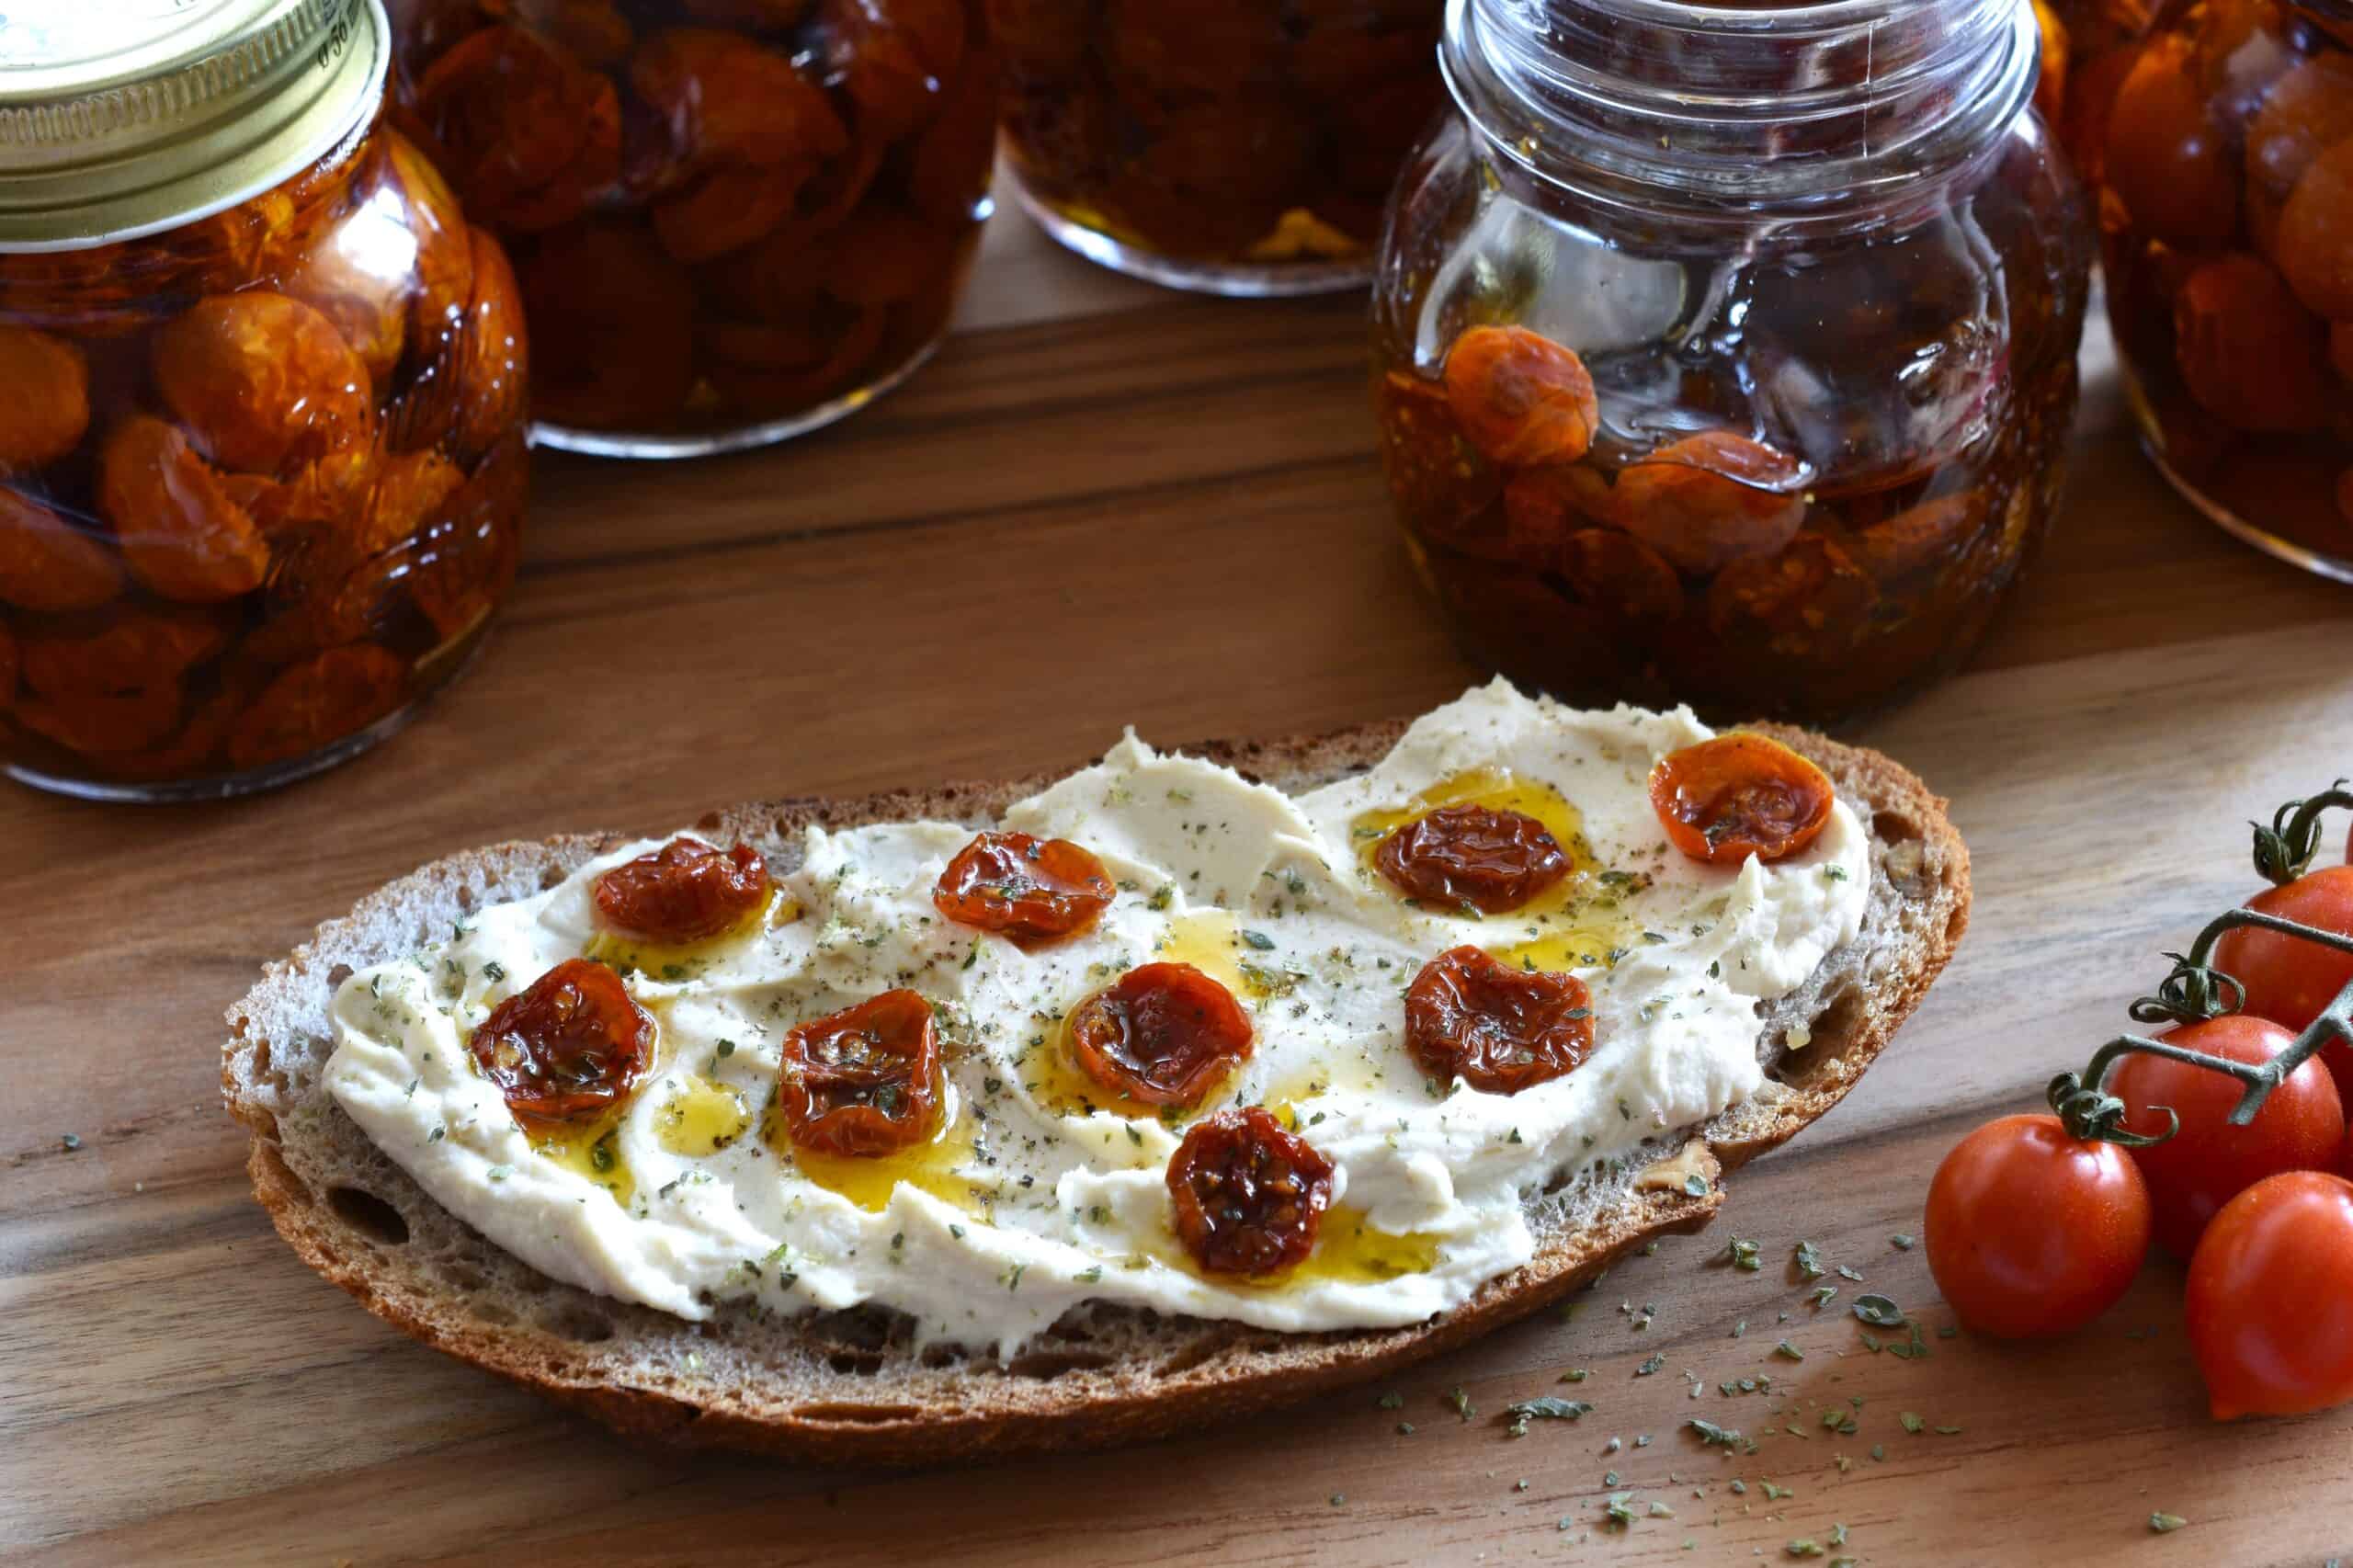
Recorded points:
2270,1297
2032,1232
2289,980
2209,1162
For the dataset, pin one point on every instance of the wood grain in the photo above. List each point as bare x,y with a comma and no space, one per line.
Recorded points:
1105,505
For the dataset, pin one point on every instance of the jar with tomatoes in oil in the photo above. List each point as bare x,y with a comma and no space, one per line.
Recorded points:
734,220
1230,146
262,399
1727,354
2218,140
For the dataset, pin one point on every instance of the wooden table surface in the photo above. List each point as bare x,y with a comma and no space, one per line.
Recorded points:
1105,505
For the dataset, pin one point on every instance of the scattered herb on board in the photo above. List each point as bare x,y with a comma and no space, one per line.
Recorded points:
1713,1435
1653,1365
1912,1422
1775,1494
1900,1241
1393,1400
1913,1349
1575,1375
1789,1351
1744,1255
72,1140
1619,1512
2166,1524
1460,1403
1809,1260
1547,1407
1879,1311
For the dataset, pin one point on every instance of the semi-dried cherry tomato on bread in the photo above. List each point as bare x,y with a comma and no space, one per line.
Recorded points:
1165,1034
1499,1029
1248,1197
1492,860
1520,398
864,1081
685,891
1726,799
567,1046
1027,889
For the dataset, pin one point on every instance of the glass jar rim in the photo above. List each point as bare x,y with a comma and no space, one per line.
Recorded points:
1729,146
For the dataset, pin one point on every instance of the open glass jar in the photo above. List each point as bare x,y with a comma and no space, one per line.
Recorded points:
1230,146
2219,138
1727,354
262,453
734,220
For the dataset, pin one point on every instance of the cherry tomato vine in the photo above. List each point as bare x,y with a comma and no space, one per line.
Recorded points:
2196,991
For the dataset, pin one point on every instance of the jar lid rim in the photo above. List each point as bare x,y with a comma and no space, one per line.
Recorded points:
153,116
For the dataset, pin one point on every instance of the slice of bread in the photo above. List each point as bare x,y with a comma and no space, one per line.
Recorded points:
849,1386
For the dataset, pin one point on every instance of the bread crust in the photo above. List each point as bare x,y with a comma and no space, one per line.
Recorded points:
848,1388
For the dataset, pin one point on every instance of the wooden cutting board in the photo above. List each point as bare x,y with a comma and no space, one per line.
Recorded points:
1106,504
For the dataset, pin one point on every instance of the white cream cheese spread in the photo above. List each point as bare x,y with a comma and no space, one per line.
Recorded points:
1033,1197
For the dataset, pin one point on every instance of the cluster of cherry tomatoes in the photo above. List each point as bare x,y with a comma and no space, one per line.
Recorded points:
2036,1224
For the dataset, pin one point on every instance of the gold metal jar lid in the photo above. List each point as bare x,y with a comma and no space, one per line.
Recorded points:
120,118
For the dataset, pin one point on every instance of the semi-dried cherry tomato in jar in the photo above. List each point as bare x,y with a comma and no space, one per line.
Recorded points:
262,392
1821,278
1229,147
2219,145
734,220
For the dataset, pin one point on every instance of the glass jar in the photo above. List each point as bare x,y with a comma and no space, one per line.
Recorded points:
1231,146
2219,141
734,220
262,452
1727,354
